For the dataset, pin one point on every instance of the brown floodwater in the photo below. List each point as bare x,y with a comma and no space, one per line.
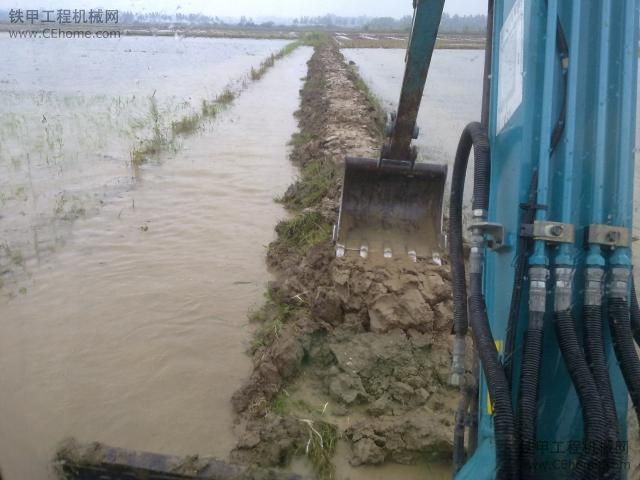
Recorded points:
134,333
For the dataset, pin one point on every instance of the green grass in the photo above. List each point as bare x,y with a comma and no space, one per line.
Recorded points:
266,64
317,179
146,149
186,125
321,447
316,39
154,145
372,99
226,97
304,231
208,109
272,316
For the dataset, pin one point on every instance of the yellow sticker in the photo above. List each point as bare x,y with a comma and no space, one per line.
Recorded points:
499,345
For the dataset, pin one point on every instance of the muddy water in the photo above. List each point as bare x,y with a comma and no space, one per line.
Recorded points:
134,333
71,112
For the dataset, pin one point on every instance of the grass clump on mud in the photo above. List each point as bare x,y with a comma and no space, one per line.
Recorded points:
158,140
303,232
317,181
226,97
186,125
271,318
319,446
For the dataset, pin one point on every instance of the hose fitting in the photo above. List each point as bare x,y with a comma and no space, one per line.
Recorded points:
619,283
563,288
594,287
538,277
457,362
476,253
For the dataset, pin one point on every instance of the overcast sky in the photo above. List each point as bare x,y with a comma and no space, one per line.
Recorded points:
257,8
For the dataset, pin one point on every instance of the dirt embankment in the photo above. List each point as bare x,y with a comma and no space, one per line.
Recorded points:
345,350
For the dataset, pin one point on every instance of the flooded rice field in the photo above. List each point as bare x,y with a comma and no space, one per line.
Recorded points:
72,114
125,318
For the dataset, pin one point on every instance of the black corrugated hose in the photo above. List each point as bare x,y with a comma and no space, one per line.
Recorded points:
456,248
596,356
635,313
528,398
524,244
620,322
503,421
475,136
591,459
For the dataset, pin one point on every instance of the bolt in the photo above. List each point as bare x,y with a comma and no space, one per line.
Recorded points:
612,236
556,230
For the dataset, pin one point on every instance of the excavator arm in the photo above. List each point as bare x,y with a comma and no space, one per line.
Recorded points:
424,32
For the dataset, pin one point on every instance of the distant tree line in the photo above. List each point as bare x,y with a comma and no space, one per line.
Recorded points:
449,24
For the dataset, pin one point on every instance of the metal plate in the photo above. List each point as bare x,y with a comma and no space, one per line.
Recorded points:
609,236
391,207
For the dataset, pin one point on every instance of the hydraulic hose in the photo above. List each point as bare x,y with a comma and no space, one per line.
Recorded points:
506,442
620,323
473,409
596,357
530,372
459,454
590,460
488,62
635,313
473,135
505,433
524,244
563,51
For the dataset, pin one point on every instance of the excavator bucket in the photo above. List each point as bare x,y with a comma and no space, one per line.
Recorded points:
390,209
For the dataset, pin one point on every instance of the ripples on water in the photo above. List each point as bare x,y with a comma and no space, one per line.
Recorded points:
71,112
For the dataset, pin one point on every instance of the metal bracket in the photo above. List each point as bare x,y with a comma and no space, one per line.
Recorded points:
608,235
493,233
552,232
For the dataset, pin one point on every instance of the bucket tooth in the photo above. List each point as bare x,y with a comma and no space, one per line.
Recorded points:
388,253
413,255
364,251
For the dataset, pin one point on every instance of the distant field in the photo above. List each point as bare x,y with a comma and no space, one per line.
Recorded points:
346,39
399,40
169,31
